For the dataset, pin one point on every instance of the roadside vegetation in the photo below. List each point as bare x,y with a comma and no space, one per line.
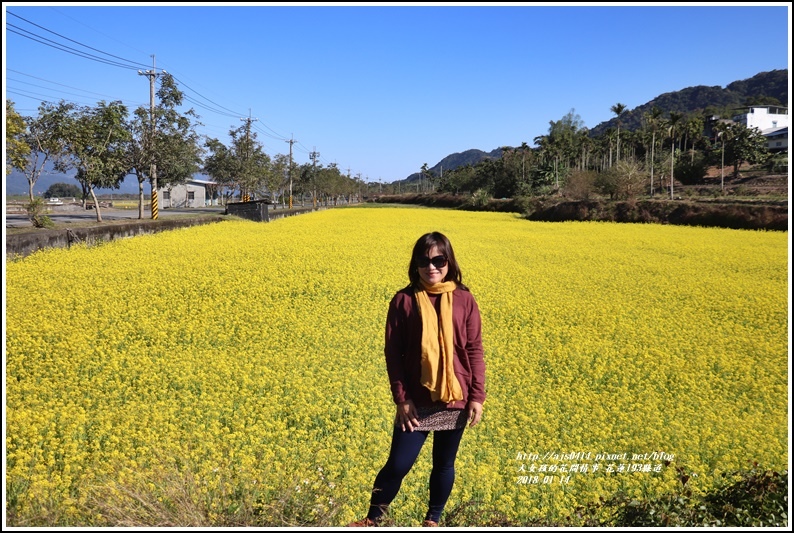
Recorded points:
652,152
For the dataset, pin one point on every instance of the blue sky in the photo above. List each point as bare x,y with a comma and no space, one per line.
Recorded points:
381,89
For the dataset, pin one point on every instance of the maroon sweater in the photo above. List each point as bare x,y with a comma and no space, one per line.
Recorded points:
404,348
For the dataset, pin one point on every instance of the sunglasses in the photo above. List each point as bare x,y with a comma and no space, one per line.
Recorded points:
438,261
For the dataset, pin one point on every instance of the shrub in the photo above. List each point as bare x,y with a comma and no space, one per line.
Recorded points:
691,171
35,209
756,498
479,198
777,163
580,185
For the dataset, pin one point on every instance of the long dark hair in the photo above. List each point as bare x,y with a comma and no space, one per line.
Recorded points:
422,246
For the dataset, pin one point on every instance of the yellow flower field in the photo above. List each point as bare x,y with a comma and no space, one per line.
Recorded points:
235,371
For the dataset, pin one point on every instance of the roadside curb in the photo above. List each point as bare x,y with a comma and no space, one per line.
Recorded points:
23,244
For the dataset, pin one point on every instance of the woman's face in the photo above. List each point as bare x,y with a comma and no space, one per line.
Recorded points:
432,274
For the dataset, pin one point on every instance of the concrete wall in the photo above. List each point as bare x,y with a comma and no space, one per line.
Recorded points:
261,211
23,244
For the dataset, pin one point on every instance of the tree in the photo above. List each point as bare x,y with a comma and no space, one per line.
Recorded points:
242,166
62,190
609,137
220,166
560,145
618,109
174,149
44,139
675,118
17,150
276,176
723,131
631,177
744,144
652,120
692,129
96,140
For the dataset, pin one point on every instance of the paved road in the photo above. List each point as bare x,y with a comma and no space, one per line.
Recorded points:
20,220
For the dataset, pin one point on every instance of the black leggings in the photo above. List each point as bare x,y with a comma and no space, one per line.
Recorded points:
405,448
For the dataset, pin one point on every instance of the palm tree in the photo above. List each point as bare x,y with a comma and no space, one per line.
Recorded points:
675,118
618,109
724,131
524,148
693,129
652,119
609,135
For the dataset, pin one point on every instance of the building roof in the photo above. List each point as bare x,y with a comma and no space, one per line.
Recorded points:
775,131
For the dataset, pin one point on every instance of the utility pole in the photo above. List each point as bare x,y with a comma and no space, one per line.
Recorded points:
313,156
290,141
244,195
152,75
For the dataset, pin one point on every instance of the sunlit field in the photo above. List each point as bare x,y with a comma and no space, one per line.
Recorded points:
233,373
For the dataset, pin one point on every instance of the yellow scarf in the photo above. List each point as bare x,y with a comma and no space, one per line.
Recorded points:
438,347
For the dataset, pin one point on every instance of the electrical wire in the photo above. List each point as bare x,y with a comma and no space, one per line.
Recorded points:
217,109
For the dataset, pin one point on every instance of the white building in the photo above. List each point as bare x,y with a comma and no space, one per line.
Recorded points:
772,121
192,193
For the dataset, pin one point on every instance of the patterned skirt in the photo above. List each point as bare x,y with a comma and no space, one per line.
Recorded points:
441,418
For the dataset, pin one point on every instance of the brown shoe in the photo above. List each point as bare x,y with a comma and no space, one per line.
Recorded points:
364,522
429,523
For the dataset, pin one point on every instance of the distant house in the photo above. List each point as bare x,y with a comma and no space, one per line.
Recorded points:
772,121
192,193
777,139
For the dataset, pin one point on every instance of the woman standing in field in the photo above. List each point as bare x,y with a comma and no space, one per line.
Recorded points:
435,364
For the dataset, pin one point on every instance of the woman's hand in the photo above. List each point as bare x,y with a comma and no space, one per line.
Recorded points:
475,413
407,416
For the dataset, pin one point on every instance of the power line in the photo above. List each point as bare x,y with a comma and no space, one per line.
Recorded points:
50,98
49,81
233,113
203,106
67,49
218,109
70,40
266,134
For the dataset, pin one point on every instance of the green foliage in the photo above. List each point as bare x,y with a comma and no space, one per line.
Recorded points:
691,170
742,145
750,498
479,198
16,149
62,190
35,209
607,183
777,163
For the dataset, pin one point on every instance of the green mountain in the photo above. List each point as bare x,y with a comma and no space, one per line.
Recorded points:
765,88
453,161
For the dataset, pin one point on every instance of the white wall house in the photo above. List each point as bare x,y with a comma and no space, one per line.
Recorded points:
772,121
192,193
777,140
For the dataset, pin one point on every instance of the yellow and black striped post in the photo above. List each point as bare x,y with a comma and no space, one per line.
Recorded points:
154,204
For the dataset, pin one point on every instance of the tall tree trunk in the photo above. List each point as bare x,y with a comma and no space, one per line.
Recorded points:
672,167
96,205
140,197
653,144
